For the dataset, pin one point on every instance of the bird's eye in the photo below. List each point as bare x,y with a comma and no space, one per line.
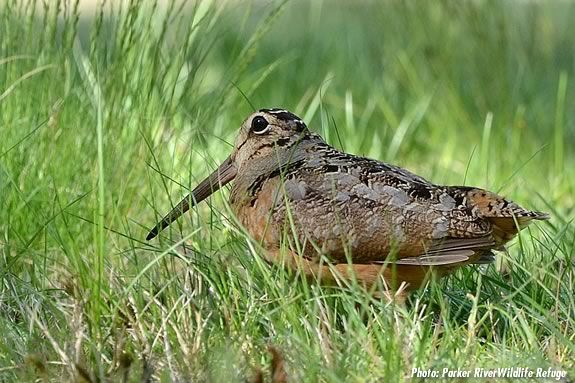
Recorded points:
260,125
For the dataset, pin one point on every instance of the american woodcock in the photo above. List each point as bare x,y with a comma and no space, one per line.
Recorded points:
339,216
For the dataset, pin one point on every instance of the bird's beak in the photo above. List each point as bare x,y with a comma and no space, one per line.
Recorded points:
224,174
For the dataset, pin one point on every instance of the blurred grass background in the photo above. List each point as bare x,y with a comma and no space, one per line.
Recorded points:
108,115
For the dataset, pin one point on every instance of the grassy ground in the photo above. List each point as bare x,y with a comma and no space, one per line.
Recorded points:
107,119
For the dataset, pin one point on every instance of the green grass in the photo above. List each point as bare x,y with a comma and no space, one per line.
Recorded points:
106,119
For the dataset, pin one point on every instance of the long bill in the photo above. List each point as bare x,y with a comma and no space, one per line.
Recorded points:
221,176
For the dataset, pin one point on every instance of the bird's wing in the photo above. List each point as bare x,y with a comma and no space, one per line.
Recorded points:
346,204
450,251
447,258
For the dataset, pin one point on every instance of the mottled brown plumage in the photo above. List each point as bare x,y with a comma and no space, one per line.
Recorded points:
367,218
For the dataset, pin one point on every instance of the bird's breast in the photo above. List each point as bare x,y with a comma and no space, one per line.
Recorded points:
254,209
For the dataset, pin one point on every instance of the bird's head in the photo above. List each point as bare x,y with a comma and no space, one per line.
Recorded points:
265,136
268,139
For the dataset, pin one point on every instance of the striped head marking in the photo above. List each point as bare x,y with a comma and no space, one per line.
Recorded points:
266,133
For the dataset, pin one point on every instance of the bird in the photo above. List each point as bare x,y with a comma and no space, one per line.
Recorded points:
336,217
